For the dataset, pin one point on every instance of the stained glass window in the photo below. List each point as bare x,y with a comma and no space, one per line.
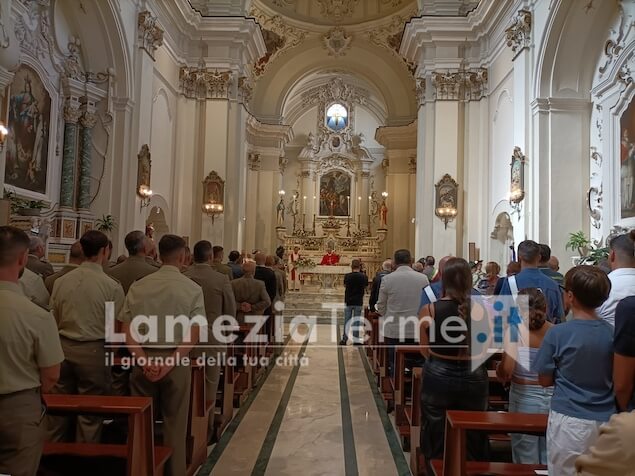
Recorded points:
336,117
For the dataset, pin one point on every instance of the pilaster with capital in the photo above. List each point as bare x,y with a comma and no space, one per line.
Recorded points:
150,35
72,114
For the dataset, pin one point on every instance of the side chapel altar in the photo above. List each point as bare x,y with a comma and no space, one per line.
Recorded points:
334,206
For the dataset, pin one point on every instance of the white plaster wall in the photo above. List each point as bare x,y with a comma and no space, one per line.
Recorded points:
161,144
501,119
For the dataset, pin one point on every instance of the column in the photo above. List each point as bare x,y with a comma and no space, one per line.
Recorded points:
87,122
424,212
69,157
235,195
253,171
308,191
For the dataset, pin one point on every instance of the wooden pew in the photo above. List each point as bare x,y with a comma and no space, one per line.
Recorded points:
458,422
414,419
399,382
196,447
226,393
142,457
247,376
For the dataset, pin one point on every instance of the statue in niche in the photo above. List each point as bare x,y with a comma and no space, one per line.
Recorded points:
357,146
280,209
144,167
383,215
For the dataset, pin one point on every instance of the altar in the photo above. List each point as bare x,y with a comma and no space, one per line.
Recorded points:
330,277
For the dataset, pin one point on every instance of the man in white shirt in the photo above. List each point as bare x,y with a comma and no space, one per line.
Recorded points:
398,304
622,276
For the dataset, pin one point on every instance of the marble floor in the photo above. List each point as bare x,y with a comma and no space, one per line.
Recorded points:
315,414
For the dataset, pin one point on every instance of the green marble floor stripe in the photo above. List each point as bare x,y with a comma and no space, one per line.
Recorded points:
350,455
393,442
214,456
270,440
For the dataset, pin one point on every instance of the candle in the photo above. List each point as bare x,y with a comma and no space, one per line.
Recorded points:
304,204
348,200
315,207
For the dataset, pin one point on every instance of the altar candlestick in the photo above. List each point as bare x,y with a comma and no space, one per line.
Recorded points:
304,204
313,231
370,200
315,205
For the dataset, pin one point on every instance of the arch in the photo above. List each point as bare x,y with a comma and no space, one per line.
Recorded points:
389,79
162,93
156,218
571,36
504,94
101,28
158,206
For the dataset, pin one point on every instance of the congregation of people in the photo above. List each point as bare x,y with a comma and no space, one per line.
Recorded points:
577,365
53,329
580,346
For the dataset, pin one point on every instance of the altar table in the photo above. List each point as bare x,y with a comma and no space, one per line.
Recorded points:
329,276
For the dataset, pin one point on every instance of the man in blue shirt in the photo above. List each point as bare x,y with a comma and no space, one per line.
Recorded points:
545,256
532,277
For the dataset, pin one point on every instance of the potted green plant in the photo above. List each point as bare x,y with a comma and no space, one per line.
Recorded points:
578,241
106,224
24,207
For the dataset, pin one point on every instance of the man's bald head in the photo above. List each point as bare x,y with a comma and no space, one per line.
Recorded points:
442,262
36,246
249,268
554,264
76,255
260,258
387,265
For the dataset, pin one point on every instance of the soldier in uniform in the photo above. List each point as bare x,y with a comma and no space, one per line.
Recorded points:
36,261
78,303
250,294
132,269
30,353
158,373
75,258
136,266
219,301
33,287
218,265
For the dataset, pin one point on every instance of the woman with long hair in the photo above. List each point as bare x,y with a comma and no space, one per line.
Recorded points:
526,395
449,383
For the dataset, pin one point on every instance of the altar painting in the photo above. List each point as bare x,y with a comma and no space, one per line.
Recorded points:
335,191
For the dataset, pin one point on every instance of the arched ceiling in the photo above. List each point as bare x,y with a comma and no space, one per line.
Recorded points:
337,12
301,51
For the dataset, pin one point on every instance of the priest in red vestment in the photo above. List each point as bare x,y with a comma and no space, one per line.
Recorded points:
330,259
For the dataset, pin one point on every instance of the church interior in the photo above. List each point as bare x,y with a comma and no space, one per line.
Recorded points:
323,140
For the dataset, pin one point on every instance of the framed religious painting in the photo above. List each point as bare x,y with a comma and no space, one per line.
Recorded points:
27,143
627,162
214,189
335,193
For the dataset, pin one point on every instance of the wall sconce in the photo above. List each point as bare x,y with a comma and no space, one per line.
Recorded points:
213,195
517,180
213,209
145,194
3,134
446,201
